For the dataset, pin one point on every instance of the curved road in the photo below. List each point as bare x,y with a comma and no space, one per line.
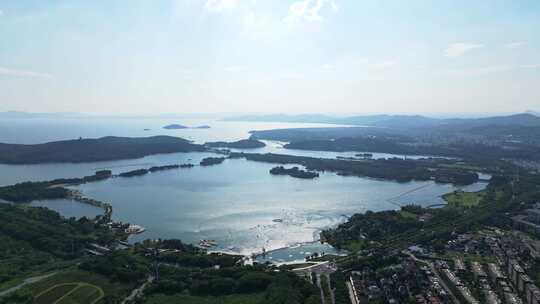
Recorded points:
26,282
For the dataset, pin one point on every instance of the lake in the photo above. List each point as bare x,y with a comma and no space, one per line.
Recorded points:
41,130
238,203
244,208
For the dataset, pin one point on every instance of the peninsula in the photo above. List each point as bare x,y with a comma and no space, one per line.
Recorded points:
240,144
93,150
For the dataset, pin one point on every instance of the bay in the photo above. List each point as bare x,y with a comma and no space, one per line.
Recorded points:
238,203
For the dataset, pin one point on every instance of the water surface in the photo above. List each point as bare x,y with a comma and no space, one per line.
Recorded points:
244,208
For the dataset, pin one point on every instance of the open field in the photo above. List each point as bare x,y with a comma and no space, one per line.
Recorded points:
463,199
54,293
76,286
70,293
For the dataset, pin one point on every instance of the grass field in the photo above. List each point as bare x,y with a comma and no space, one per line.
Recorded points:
408,215
76,286
463,199
84,294
185,299
54,293
70,293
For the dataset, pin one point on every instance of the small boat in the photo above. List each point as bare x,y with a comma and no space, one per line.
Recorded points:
278,220
207,243
135,229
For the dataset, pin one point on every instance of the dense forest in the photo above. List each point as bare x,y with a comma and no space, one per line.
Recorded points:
92,150
293,172
392,229
462,149
241,144
38,239
210,161
402,170
32,238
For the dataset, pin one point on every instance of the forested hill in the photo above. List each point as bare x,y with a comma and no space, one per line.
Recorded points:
400,121
91,150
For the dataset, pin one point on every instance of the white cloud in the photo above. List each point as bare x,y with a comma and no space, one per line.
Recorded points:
235,68
515,45
219,5
23,73
307,10
384,64
530,66
259,24
474,71
458,49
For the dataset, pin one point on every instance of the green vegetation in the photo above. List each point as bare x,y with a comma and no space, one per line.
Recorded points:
325,285
210,161
92,150
463,199
401,170
84,293
132,173
54,189
404,146
119,266
72,286
483,139
241,144
188,273
29,191
54,293
370,226
293,172
38,240
70,293
139,172
341,293
396,230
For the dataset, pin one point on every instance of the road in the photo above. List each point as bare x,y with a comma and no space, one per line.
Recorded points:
330,288
136,292
323,299
26,282
323,268
351,292
436,273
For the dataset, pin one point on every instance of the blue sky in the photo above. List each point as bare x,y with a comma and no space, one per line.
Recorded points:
325,56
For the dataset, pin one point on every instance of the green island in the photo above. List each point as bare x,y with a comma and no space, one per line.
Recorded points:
401,170
93,150
480,247
293,172
240,144
211,161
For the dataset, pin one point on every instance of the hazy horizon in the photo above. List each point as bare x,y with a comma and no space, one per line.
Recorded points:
220,115
336,57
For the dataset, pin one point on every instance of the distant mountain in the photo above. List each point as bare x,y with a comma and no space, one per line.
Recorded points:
92,150
523,119
28,115
399,121
368,120
175,127
533,113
